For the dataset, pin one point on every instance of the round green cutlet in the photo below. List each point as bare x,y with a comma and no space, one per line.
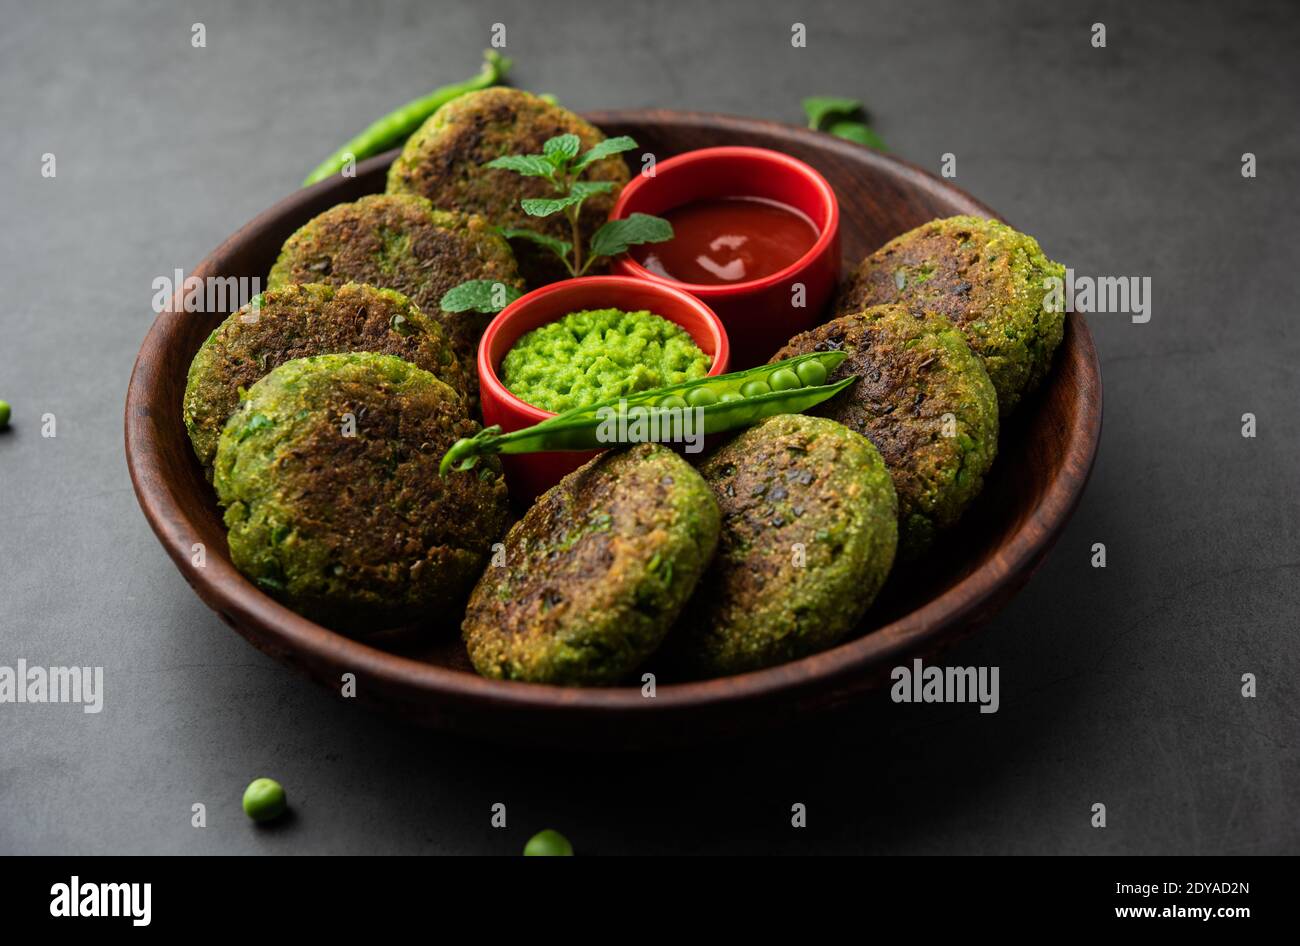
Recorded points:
329,477
295,322
809,530
444,160
923,399
401,242
596,571
984,277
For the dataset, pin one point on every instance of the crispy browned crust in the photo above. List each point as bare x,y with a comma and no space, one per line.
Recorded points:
809,530
295,322
444,160
912,374
399,241
596,572
357,530
984,277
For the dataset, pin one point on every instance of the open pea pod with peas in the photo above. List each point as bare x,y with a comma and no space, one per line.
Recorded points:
724,402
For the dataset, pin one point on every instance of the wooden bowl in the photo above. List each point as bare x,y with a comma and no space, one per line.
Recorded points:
1046,453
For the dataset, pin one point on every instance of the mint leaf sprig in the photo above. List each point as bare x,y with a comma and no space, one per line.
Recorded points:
479,295
562,164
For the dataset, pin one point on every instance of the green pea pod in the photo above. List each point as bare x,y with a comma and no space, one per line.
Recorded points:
588,428
720,385
398,125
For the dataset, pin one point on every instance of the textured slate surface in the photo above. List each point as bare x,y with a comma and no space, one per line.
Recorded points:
1119,686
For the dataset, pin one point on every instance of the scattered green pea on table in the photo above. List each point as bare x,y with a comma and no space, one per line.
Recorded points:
264,799
4,414
548,843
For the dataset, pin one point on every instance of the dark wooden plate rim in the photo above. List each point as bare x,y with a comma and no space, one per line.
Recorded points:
284,631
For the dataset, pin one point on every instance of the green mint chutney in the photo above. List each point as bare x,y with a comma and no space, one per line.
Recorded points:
599,354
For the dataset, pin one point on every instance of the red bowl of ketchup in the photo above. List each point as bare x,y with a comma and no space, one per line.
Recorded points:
756,237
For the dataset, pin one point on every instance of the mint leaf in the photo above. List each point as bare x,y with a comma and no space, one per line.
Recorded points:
821,109
479,295
605,149
857,132
584,189
562,149
617,235
578,192
560,248
545,206
529,165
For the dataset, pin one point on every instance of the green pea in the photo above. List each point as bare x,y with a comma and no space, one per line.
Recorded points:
4,414
548,843
811,373
727,397
673,400
701,397
264,799
754,388
785,380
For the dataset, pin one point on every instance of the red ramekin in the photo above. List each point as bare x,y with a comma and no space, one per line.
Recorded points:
760,314
530,474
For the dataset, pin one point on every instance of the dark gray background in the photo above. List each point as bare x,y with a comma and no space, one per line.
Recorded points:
1119,686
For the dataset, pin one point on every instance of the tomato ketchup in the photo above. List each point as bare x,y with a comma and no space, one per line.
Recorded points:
727,240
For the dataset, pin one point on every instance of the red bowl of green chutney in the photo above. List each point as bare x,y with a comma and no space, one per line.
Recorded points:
528,475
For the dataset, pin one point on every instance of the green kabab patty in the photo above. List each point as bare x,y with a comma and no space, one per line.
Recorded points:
987,279
329,475
809,530
923,399
596,571
444,160
295,322
401,242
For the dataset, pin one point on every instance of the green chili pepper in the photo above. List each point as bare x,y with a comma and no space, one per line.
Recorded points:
397,126
734,400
